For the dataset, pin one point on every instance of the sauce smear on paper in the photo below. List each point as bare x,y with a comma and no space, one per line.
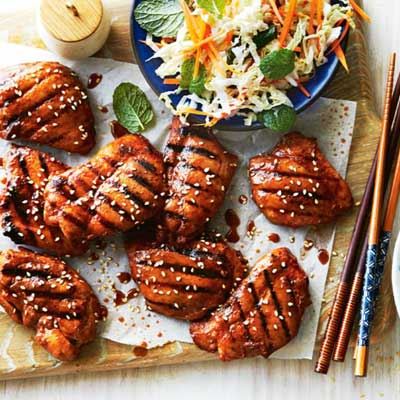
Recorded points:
323,256
233,221
94,80
117,130
243,199
274,237
124,277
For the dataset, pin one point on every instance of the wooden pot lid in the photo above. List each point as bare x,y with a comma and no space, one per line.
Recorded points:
70,20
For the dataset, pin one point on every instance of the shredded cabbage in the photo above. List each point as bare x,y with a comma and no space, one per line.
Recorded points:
235,83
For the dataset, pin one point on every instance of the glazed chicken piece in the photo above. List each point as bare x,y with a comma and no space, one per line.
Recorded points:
262,315
22,204
45,294
185,283
45,102
118,189
199,173
295,185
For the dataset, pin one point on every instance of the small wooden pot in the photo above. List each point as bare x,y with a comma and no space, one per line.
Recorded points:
74,29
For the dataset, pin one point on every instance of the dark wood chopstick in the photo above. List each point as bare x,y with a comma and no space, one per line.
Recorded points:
345,291
350,312
371,266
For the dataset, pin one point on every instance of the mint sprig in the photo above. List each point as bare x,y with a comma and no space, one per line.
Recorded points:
131,107
161,18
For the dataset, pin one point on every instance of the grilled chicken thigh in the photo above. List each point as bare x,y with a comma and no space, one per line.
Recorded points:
185,283
262,315
45,294
295,185
45,102
119,188
199,173
22,204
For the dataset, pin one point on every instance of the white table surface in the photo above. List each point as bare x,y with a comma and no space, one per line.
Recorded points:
257,378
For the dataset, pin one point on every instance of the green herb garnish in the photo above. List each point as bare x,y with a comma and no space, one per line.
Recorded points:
277,64
194,85
186,73
132,108
215,7
197,85
280,118
161,18
264,37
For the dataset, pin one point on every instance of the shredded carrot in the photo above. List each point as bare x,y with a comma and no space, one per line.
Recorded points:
196,67
288,22
227,42
360,11
189,110
313,9
190,21
276,11
297,49
212,122
339,40
303,89
171,81
342,58
320,9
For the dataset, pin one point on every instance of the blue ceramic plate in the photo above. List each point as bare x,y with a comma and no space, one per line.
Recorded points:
300,102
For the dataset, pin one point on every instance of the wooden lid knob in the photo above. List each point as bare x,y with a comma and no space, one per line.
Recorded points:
71,20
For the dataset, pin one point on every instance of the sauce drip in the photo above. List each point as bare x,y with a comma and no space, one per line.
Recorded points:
323,256
124,277
233,221
140,351
94,80
274,237
132,294
251,226
117,130
103,109
243,199
120,298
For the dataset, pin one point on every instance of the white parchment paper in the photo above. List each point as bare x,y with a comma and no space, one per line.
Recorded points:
331,121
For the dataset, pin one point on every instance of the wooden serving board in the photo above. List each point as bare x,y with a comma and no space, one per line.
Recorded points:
21,358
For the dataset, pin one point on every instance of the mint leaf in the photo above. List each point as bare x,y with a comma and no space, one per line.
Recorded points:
277,64
186,73
197,86
132,108
279,119
161,18
215,7
264,37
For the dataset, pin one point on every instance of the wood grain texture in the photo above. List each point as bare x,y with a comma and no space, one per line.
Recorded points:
105,355
71,21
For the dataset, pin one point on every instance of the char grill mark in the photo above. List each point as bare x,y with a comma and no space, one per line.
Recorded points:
262,315
43,293
22,204
184,283
119,188
295,185
45,102
199,172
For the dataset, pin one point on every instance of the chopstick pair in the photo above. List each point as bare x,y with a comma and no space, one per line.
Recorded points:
355,293
345,288
378,241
